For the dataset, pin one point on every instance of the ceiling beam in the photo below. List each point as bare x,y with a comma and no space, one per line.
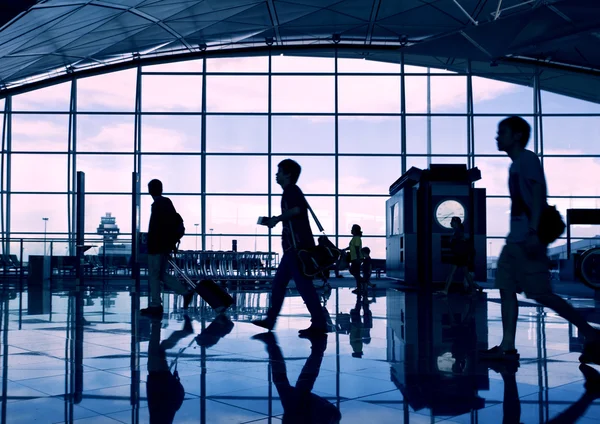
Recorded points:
372,20
274,21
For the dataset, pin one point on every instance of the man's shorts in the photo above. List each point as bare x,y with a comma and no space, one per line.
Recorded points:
517,272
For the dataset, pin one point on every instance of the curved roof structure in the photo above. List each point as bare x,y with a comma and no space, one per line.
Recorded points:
49,40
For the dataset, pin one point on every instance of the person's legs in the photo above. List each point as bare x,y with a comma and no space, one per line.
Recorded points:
355,271
568,312
311,298
171,281
280,283
154,263
449,279
509,308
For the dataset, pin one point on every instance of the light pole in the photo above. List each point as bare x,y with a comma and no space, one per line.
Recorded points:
45,226
211,244
196,225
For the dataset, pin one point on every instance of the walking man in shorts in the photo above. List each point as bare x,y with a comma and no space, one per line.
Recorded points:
523,263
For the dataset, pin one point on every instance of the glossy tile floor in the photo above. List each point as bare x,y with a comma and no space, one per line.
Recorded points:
392,357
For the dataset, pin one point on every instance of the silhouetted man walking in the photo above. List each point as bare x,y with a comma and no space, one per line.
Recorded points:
296,235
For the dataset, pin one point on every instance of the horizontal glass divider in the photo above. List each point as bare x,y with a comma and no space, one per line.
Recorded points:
349,114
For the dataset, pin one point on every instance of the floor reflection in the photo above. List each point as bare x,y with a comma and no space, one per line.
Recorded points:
73,355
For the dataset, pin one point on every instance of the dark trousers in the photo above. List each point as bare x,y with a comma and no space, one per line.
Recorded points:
288,269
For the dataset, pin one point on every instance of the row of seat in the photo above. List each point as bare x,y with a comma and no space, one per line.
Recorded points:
221,265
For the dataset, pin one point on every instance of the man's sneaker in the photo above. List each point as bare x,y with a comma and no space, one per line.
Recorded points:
263,323
152,311
187,299
312,331
591,353
592,380
498,354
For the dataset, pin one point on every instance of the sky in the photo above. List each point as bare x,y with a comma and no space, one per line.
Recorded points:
292,136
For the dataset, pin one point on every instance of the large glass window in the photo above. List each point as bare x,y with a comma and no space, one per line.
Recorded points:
250,129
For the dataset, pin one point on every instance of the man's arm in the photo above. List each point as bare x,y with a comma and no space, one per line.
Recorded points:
286,216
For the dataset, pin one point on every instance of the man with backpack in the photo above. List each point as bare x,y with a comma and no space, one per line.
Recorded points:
523,262
164,232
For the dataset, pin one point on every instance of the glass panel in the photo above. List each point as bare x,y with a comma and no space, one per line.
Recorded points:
498,216
27,211
303,134
106,173
491,96
368,134
416,161
105,133
236,214
238,64
40,133
416,94
236,174
53,98
416,134
494,248
237,134
179,174
237,93
317,176
118,205
171,93
571,135
195,65
281,63
556,103
308,94
322,206
449,94
494,174
39,172
367,66
368,175
571,176
369,94
189,207
107,92
170,134
461,160
368,212
376,244
448,135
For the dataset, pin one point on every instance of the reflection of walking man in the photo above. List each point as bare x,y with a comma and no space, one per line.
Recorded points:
160,246
523,263
296,234
299,404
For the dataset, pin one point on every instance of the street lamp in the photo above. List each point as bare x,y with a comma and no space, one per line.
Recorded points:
196,225
45,226
211,244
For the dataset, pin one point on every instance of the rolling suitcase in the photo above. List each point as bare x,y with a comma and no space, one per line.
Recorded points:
215,296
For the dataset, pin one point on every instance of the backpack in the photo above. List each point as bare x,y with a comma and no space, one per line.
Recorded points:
551,225
176,230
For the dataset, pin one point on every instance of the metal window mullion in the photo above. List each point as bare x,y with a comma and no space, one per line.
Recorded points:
402,114
470,120
203,158
8,113
535,113
428,117
137,148
539,120
3,192
336,151
269,158
72,169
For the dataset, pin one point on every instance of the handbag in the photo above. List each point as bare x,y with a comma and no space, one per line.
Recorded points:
316,261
